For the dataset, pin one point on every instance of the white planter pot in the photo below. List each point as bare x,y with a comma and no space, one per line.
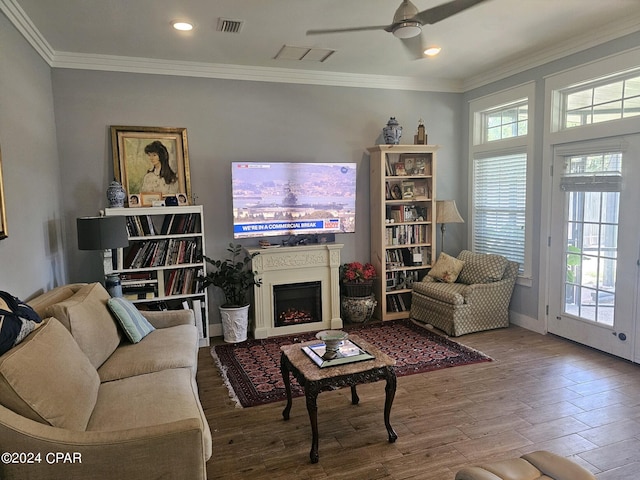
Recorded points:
235,323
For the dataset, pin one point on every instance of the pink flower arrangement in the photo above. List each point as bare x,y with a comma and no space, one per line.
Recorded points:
356,272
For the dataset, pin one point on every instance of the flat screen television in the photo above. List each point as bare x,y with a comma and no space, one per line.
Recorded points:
286,198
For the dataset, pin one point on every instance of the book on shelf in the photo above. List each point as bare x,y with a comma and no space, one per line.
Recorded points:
197,312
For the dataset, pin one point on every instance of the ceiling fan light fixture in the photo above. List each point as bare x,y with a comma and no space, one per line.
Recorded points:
407,30
182,25
432,51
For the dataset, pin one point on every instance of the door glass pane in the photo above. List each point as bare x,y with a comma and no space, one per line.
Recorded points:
591,241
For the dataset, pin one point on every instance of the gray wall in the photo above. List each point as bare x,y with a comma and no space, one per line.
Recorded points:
31,258
238,120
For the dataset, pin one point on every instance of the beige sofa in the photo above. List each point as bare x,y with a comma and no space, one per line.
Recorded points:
78,401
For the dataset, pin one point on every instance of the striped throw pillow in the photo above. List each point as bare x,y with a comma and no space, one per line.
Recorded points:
135,326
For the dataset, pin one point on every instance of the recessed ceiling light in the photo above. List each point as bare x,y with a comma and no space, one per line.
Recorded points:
432,51
182,25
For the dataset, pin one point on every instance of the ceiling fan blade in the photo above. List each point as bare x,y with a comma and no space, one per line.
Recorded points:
414,47
352,29
446,10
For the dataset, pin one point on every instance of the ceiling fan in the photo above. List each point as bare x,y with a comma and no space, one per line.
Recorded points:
408,21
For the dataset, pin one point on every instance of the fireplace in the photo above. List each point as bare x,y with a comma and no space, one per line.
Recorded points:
297,303
303,278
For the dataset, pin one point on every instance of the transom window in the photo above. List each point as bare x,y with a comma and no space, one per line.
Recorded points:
601,101
506,122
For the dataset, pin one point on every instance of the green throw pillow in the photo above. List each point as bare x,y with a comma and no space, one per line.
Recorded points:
135,326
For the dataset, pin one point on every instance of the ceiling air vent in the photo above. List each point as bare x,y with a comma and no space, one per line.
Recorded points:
228,25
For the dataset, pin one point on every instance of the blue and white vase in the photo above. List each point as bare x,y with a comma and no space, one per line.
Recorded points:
392,132
115,195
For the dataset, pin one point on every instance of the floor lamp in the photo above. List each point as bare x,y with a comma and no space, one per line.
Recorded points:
104,233
446,212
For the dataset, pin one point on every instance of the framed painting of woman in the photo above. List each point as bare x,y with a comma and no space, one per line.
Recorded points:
151,160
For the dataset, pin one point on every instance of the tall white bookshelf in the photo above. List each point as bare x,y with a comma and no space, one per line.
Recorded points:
160,267
403,236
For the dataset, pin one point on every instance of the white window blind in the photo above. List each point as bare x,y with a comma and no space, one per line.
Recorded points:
499,202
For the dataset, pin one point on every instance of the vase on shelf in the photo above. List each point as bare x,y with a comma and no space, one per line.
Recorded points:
115,195
358,309
392,132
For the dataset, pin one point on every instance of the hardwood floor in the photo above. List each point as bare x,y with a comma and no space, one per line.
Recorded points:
540,392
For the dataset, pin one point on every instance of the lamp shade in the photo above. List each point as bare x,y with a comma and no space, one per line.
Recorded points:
447,212
102,233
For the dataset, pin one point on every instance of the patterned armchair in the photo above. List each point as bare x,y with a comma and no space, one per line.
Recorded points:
467,294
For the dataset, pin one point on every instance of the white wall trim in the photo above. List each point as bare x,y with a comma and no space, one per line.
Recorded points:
519,63
25,26
528,322
535,58
245,72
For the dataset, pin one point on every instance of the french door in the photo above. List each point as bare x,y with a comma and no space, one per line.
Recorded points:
595,244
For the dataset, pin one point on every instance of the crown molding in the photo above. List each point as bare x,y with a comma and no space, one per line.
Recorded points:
520,63
251,73
537,57
18,17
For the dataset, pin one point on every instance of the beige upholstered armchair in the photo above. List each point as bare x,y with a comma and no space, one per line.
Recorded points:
467,294
533,466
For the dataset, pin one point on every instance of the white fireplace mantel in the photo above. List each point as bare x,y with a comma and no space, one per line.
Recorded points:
287,265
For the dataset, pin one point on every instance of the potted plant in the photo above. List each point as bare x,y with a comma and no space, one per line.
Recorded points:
235,278
357,279
358,301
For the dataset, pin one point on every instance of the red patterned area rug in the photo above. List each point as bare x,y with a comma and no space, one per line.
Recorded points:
251,369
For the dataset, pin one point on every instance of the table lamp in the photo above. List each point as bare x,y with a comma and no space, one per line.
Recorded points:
104,233
447,212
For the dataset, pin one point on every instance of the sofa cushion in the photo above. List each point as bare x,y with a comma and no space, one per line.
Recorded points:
55,295
446,269
86,316
481,267
47,378
17,320
134,325
147,400
172,347
451,293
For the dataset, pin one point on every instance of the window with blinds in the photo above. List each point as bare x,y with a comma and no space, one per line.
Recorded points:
500,151
499,205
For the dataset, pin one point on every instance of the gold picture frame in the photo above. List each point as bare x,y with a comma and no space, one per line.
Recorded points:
151,160
3,214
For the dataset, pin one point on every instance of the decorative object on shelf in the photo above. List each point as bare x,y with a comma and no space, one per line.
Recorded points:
115,195
420,138
392,132
151,160
358,309
236,279
332,340
357,279
104,233
447,212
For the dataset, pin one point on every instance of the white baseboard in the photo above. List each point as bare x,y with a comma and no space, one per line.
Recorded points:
527,322
215,329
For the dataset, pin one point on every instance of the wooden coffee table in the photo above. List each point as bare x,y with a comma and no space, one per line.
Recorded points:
314,379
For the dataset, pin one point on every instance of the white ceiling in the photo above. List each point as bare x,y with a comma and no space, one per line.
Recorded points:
488,41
